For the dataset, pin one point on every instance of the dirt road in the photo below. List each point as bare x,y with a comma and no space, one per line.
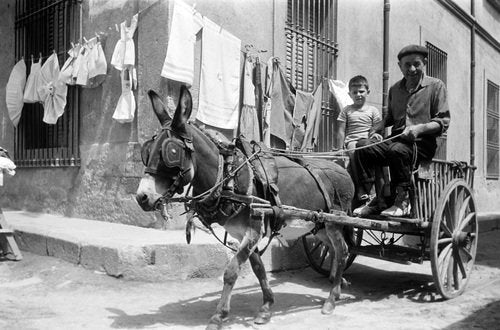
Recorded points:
47,293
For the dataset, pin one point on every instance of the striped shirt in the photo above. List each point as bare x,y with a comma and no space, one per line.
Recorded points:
358,122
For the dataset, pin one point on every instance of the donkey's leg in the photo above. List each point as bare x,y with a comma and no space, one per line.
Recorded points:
246,248
264,314
336,237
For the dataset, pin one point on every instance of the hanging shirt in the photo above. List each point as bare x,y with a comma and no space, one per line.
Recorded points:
52,91
30,91
97,66
14,91
179,61
220,77
66,74
124,53
313,120
249,122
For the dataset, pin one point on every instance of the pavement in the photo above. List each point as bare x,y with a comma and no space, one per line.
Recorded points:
136,253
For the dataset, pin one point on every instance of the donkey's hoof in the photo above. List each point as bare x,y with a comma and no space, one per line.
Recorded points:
328,307
262,318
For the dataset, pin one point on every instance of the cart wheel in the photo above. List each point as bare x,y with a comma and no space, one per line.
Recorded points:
318,253
454,239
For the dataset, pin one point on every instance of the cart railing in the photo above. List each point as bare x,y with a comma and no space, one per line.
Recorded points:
431,178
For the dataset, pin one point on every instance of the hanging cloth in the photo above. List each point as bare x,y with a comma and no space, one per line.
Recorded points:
303,104
313,120
97,66
220,77
249,122
179,61
67,69
30,90
52,91
124,52
82,72
282,105
341,93
258,94
14,91
125,108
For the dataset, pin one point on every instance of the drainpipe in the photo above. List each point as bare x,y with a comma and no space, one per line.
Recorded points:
472,84
385,73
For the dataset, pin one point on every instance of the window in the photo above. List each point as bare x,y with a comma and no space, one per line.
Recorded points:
436,67
492,145
42,27
310,56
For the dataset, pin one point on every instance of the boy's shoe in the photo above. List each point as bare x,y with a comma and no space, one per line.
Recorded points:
373,207
402,205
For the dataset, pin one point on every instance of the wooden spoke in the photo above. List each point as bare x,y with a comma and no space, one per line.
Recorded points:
447,230
448,215
463,208
466,222
466,252
445,240
456,279
458,260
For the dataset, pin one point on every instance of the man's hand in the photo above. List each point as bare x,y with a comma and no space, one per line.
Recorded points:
376,136
413,132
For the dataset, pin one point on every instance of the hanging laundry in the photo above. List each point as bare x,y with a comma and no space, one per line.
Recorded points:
258,94
14,91
66,74
282,104
341,93
124,52
52,91
303,104
249,122
30,90
97,65
266,110
220,77
179,61
82,72
123,59
313,120
125,108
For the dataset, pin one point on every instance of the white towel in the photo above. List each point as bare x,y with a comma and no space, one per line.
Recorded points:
179,61
220,77
14,91
51,90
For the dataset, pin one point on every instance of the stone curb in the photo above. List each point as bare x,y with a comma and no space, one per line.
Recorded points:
136,253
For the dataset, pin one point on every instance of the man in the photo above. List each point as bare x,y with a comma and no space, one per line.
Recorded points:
418,113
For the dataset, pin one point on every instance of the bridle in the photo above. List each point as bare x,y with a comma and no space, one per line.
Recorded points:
172,158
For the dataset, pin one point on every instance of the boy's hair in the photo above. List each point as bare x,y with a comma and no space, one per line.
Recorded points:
359,81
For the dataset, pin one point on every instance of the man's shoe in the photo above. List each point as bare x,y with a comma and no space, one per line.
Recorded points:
402,205
373,207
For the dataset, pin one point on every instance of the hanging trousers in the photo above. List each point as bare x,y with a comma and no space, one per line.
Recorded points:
397,154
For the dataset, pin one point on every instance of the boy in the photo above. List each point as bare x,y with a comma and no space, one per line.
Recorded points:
355,123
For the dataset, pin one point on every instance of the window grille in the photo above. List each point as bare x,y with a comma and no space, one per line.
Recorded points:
311,54
492,144
42,27
437,68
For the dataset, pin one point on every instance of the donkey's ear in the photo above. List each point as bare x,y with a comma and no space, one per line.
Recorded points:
158,107
184,108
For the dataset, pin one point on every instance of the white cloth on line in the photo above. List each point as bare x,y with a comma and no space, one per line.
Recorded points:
15,90
52,91
30,90
66,74
179,61
220,77
249,121
124,52
125,108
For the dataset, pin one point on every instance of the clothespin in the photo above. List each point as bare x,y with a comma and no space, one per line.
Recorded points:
32,59
85,39
54,51
117,29
40,56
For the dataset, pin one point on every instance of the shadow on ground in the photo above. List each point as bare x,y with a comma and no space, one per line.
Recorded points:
485,318
300,293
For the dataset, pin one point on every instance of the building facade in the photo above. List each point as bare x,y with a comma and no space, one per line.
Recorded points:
88,165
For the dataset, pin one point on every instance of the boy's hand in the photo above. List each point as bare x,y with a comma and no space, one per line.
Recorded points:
376,136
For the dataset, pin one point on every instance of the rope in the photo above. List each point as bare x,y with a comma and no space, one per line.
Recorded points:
328,153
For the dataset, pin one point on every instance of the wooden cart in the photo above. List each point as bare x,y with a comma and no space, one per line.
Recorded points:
443,226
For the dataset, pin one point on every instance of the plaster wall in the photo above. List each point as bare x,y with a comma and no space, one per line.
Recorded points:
103,187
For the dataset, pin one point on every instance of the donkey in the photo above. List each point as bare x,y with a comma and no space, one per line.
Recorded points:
183,154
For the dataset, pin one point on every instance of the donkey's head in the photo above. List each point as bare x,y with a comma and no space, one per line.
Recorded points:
168,155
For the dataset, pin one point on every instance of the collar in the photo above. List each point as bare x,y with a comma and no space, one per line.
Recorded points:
425,81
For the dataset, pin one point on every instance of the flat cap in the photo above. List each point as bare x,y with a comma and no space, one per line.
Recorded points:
412,49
